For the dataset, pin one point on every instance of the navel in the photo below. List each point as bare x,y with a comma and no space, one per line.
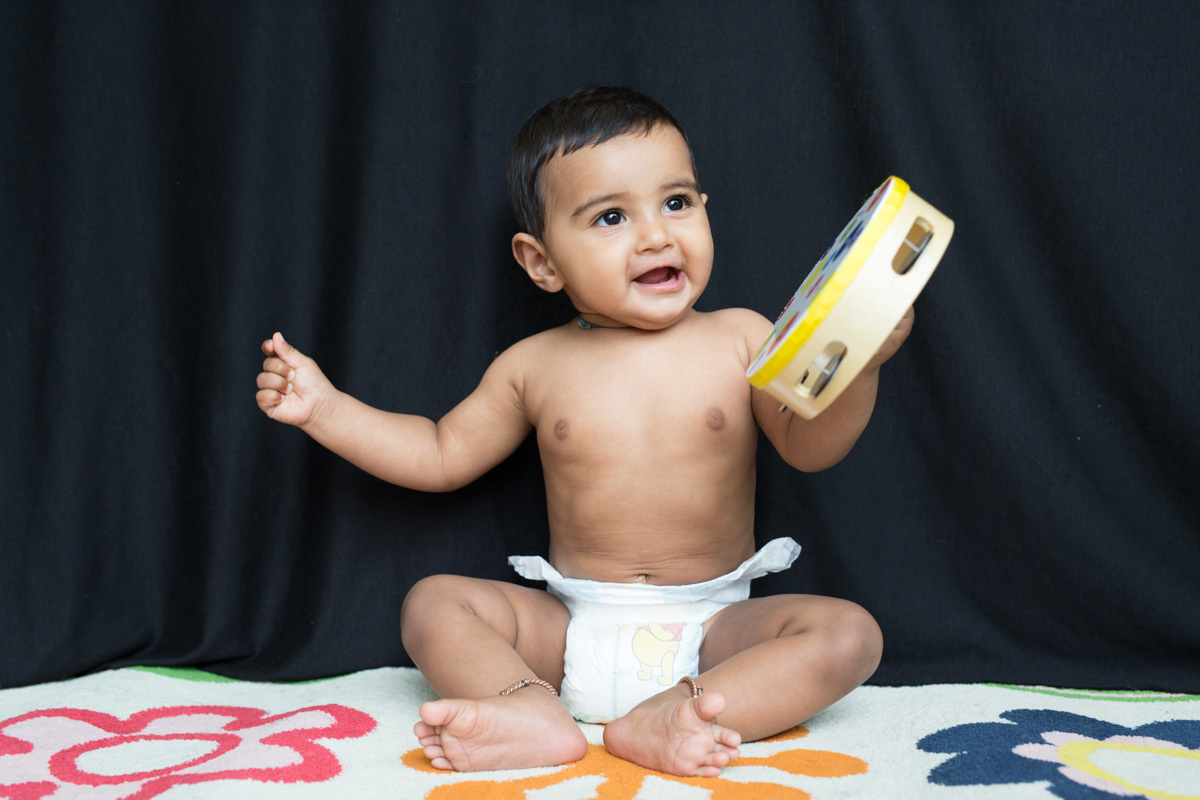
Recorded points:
560,429
715,418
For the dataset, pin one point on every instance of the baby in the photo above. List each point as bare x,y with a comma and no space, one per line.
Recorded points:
647,430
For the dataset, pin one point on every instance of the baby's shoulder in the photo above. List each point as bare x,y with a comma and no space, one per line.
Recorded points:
740,328
739,318
740,323
539,349
543,342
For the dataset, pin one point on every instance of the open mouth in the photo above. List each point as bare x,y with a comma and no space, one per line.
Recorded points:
657,276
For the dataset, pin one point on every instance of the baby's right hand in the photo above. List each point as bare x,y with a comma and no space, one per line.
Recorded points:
291,387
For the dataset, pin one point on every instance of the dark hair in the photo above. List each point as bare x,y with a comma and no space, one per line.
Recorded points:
586,117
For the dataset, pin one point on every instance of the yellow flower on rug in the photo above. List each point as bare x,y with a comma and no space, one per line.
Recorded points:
615,779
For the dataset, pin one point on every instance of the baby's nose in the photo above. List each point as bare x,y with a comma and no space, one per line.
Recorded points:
654,234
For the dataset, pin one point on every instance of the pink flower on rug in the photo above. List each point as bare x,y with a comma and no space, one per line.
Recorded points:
75,753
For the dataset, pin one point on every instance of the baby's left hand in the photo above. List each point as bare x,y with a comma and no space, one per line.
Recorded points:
892,343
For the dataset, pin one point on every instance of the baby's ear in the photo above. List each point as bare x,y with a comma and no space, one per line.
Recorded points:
531,254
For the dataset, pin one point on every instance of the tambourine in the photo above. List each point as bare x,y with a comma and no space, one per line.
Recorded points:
852,299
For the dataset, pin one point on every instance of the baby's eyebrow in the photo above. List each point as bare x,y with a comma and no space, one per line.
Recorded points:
596,201
691,185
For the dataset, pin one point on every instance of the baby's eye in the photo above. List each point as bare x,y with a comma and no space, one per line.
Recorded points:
677,203
610,218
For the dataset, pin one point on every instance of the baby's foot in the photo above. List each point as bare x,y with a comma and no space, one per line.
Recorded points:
528,728
675,734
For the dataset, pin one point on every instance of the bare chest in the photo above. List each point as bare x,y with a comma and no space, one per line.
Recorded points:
668,400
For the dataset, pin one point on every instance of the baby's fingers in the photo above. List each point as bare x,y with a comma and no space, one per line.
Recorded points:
273,381
278,346
268,399
284,351
277,366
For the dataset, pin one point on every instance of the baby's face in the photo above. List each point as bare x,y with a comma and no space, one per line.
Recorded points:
626,229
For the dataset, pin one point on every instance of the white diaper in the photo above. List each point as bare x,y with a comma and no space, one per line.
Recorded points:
629,641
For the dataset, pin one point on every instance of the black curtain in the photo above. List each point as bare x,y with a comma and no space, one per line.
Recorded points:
181,179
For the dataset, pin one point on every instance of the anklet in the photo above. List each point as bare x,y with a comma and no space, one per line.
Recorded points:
697,689
521,684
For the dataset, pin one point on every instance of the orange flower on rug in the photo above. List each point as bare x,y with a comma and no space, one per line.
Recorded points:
615,779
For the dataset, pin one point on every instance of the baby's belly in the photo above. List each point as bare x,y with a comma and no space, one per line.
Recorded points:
654,557
646,512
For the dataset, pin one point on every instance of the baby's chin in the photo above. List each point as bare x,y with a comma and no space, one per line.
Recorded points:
659,322
660,312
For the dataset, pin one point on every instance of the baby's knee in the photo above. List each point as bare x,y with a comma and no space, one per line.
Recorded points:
855,642
431,589
427,598
441,602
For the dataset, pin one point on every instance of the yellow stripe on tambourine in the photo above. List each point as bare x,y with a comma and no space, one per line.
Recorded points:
829,294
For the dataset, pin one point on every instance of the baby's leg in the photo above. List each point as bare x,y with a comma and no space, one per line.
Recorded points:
766,665
471,639
779,660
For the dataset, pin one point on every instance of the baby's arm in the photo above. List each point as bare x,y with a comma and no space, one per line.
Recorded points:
407,450
817,444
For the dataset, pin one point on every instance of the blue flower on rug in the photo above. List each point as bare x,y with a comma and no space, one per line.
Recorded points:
1081,758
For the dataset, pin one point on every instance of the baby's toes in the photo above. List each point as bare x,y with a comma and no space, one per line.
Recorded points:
731,752
724,737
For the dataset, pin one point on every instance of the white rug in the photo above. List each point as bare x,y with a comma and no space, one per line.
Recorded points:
178,734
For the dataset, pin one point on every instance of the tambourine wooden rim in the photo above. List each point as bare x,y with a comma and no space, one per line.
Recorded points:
795,326
851,300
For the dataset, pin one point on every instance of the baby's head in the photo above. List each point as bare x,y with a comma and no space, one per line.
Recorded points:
583,118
